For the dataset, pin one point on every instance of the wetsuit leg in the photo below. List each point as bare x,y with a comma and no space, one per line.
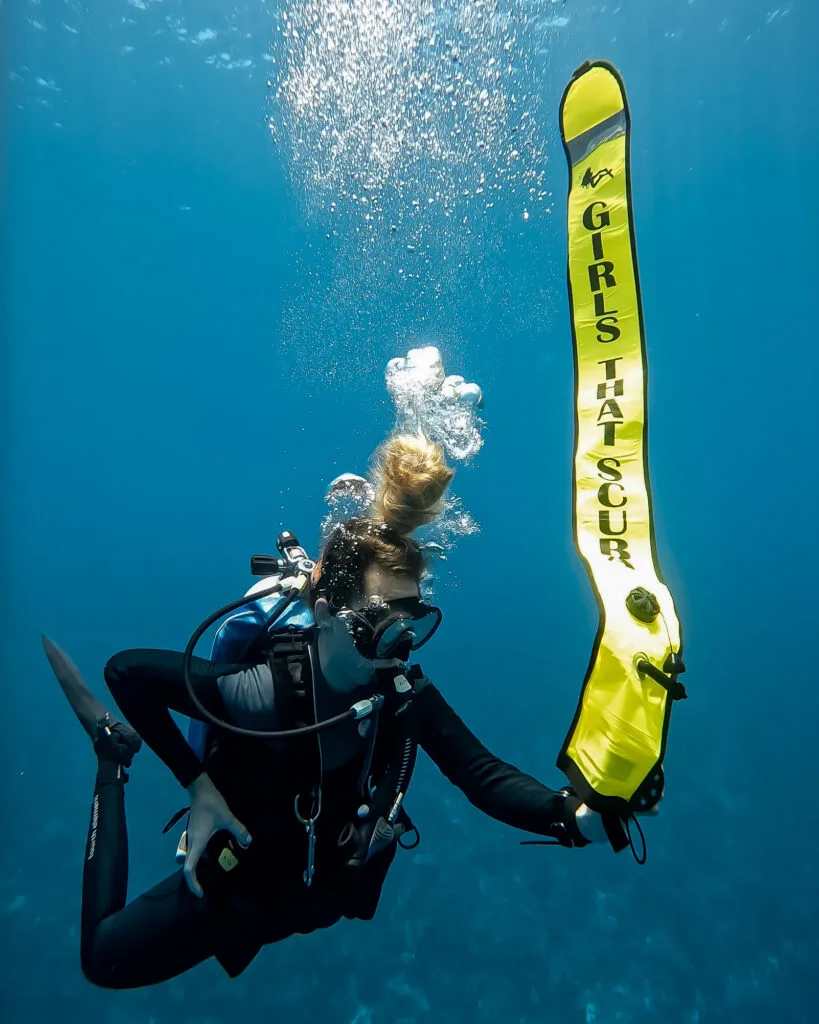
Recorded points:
157,936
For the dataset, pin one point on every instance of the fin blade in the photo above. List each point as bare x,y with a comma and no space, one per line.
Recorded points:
83,702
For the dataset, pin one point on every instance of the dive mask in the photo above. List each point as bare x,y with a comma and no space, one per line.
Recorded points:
390,629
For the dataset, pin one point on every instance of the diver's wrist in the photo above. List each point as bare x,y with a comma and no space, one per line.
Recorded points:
200,783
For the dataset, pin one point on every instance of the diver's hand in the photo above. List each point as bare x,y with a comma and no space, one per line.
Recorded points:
590,822
209,813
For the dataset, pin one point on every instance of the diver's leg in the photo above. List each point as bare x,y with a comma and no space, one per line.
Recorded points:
105,870
161,934
167,930
158,935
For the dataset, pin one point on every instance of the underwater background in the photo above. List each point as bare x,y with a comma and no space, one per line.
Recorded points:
220,222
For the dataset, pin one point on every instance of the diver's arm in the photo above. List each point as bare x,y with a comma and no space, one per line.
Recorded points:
147,685
493,786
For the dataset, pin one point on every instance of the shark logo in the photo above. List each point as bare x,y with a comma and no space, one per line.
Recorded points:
592,179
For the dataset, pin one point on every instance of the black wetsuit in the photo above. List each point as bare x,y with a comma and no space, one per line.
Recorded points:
168,930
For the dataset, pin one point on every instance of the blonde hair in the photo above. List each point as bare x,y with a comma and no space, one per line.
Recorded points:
411,477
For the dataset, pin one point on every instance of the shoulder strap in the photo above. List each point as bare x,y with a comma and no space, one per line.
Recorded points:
291,688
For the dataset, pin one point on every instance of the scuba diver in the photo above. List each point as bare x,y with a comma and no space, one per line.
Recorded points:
309,737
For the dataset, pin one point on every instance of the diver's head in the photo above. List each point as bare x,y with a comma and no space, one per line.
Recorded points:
366,583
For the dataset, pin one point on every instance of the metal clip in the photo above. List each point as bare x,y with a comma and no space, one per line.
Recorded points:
310,828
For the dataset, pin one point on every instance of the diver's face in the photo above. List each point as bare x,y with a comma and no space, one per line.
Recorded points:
342,666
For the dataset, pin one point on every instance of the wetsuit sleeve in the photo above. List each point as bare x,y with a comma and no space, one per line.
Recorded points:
147,685
493,786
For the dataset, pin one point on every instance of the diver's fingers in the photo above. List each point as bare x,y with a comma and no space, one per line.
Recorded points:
191,861
240,832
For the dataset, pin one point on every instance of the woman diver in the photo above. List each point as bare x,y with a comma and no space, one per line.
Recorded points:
288,835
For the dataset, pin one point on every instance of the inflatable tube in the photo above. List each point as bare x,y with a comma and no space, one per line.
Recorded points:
613,753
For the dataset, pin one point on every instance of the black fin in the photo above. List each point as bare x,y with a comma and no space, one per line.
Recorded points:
86,707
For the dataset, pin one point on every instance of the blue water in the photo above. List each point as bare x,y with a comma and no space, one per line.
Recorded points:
194,342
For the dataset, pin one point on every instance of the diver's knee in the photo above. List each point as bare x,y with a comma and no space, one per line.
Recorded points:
98,970
119,668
